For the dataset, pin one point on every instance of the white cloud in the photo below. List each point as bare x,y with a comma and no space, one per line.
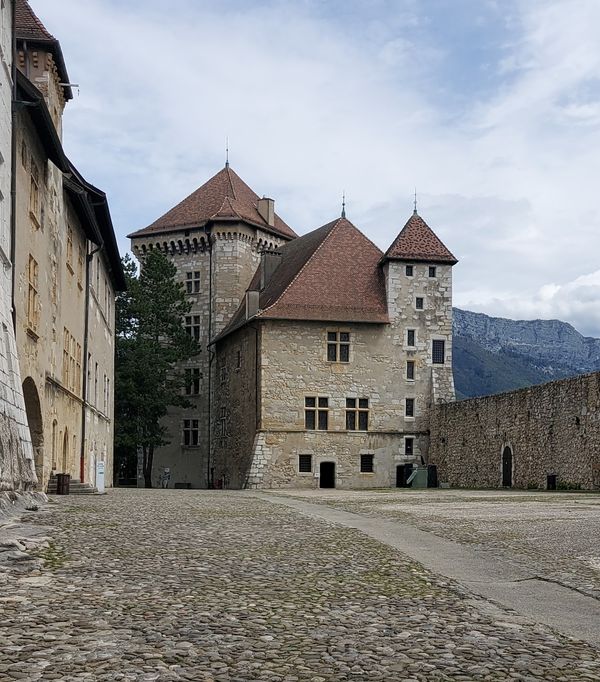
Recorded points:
314,105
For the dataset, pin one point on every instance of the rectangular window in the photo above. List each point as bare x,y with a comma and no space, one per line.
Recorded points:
419,303
191,432
192,381
305,464
66,363
32,296
70,249
192,326
357,414
338,346
366,464
34,194
432,271
409,446
409,270
80,268
410,370
223,421
78,370
238,364
410,337
409,410
316,413
223,373
192,282
438,351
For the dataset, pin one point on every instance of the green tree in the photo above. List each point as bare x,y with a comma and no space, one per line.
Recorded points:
151,341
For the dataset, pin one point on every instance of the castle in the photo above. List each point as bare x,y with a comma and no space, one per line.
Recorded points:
323,355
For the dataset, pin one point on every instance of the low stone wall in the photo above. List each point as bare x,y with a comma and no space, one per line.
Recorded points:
552,429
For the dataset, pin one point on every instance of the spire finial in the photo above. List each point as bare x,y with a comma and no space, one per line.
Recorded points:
344,204
415,209
227,152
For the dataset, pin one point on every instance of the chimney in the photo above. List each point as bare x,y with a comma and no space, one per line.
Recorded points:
251,303
266,208
269,262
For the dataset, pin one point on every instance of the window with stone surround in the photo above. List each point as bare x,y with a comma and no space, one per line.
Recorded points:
409,444
316,413
223,373
33,294
223,422
409,407
438,351
238,364
70,249
411,335
432,271
305,464
409,271
80,267
419,303
338,346
366,464
357,414
192,282
192,381
410,370
191,432
192,326
34,194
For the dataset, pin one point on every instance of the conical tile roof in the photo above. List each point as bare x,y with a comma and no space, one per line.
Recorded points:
224,197
417,241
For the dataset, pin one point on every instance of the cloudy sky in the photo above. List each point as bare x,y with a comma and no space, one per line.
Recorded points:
490,108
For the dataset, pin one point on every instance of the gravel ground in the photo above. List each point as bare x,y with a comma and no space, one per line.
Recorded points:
555,534
194,585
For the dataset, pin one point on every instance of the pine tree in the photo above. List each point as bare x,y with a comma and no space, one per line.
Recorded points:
151,341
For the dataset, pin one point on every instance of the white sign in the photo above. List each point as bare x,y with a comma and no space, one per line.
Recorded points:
100,477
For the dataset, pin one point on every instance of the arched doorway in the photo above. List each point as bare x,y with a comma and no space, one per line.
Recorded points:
36,426
507,467
65,453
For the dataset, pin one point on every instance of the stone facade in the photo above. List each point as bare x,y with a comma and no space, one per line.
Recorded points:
522,437
219,262
276,364
66,270
16,454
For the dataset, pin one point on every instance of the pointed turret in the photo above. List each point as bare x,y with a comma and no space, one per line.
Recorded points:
418,242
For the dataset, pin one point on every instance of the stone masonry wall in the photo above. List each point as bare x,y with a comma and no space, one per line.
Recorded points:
551,429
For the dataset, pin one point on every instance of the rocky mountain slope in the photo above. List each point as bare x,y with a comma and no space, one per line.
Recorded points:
493,354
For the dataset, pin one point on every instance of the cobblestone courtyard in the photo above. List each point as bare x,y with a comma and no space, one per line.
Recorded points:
195,585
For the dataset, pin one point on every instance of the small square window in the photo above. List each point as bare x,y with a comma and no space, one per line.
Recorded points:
332,336
410,337
438,351
310,402
351,403
305,464
432,271
409,446
409,270
409,410
419,303
410,370
323,402
366,464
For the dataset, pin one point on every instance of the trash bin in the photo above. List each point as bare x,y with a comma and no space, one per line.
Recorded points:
62,484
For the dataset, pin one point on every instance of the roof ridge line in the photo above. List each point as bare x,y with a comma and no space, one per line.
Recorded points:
314,253
228,169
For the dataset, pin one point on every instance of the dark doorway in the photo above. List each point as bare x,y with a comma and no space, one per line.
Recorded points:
507,467
36,429
403,473
327,475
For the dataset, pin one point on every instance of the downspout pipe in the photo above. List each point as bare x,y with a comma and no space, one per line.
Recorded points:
211,354
13,165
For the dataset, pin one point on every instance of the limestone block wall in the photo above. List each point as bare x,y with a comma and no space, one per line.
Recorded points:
16,454
550,429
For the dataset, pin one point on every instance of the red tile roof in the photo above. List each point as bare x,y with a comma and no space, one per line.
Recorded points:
27,24
330,274
224,197
417,241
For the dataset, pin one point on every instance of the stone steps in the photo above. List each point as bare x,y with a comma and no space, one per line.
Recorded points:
75,487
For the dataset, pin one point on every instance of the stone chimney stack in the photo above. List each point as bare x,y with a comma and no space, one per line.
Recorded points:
269,262
266,208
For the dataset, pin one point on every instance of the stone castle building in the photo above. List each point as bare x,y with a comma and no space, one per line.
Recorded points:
66,269
324,355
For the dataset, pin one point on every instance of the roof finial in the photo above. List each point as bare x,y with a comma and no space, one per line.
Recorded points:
344,204
415,210
227,152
